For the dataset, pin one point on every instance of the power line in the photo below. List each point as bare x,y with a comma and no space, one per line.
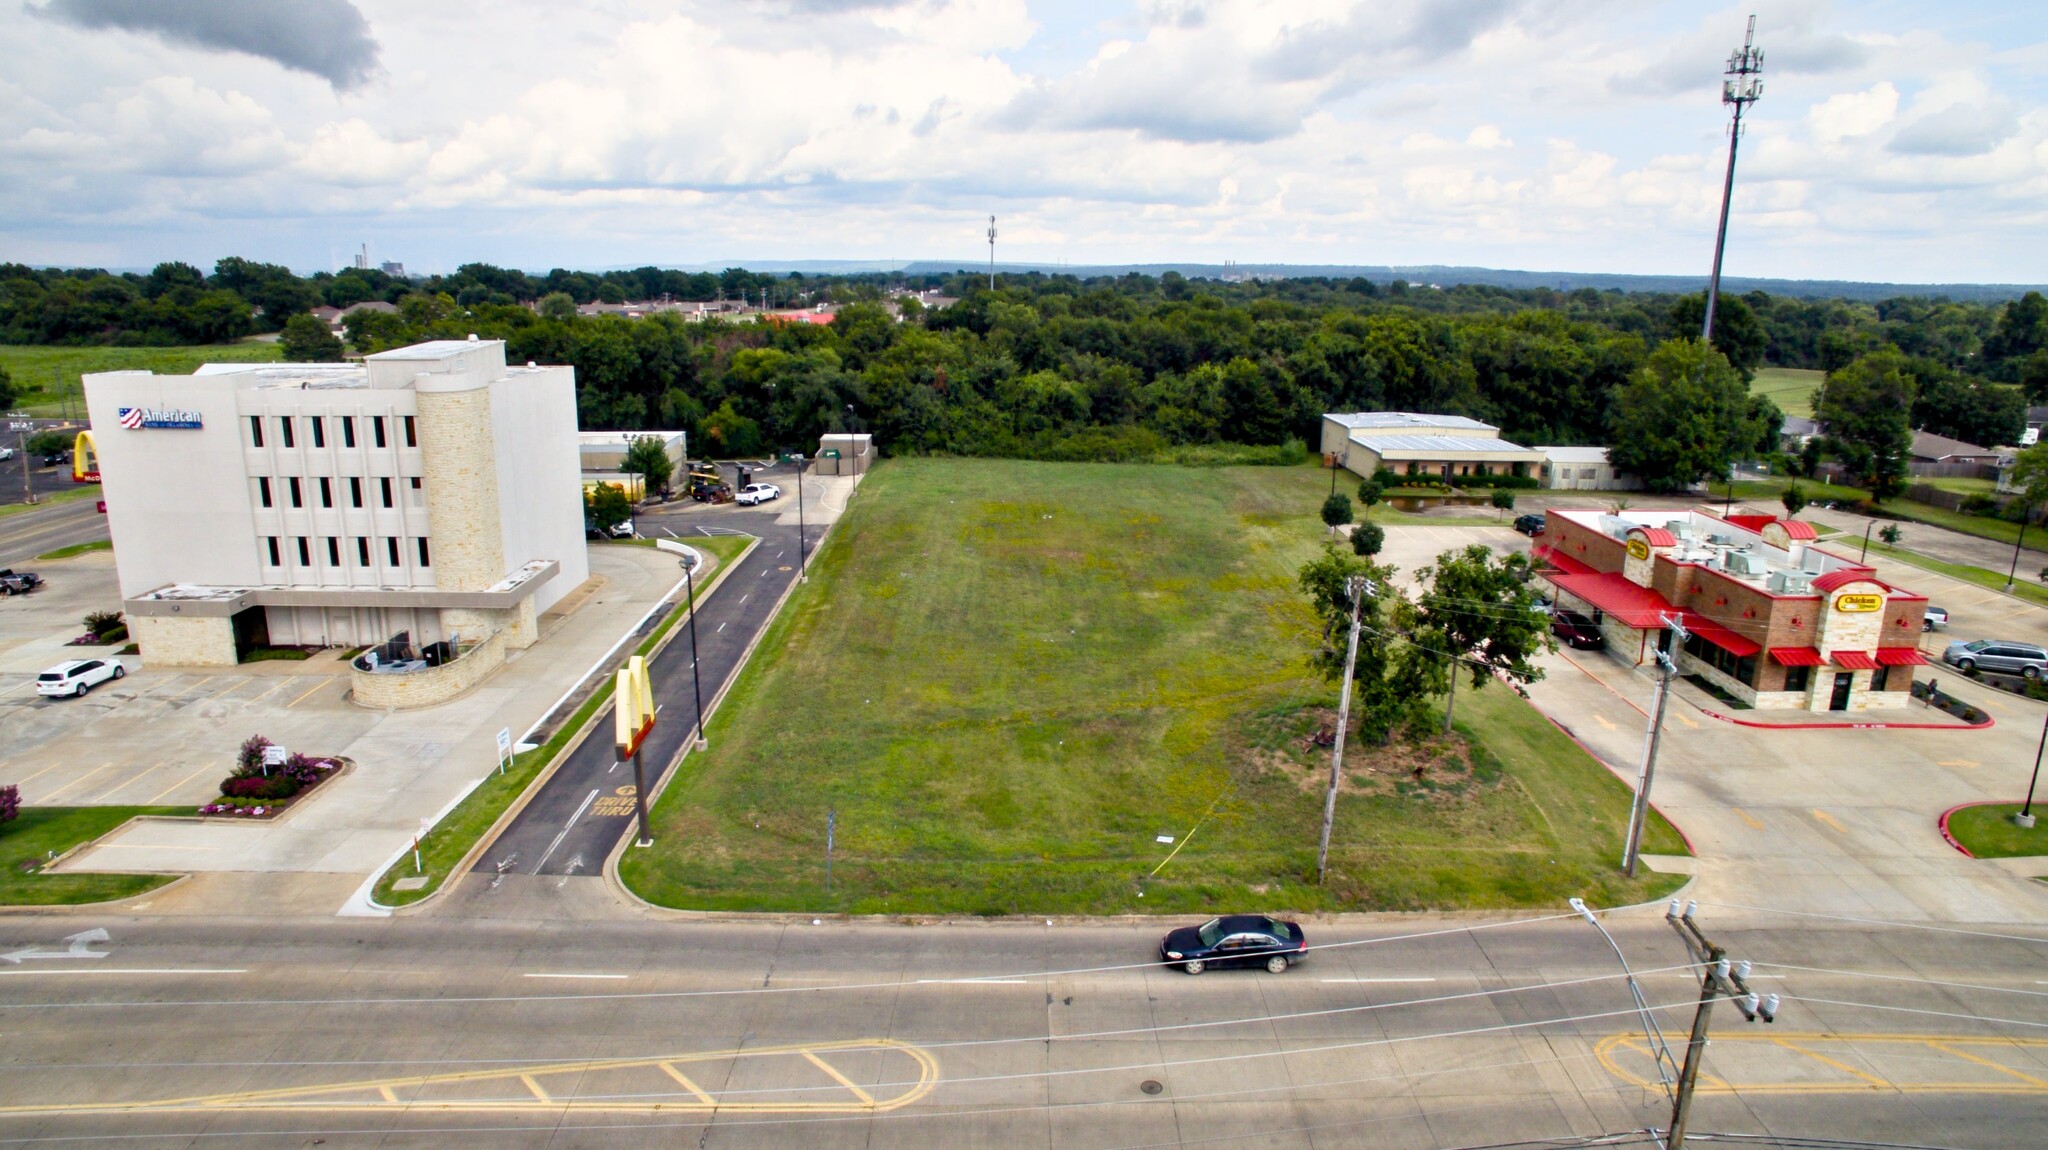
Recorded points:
1875,921
1907,978
1917,1010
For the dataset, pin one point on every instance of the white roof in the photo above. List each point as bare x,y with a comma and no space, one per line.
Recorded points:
1575,454
1444,443
1389,420
433,349
599,439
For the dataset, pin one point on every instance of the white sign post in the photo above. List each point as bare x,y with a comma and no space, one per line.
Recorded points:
425,826
274,756
504,748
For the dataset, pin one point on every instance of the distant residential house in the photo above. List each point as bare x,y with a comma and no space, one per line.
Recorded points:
1584,469
1931,448
2037,418
1795,431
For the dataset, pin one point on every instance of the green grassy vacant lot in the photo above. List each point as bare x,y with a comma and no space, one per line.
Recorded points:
30,839
1007,678
1989,832
1791,388
43,374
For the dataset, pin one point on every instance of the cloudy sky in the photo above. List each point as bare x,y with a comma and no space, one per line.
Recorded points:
1896,141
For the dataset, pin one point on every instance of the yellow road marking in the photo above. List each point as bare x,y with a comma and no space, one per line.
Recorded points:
1755,823
54,766
1855,1081
670,1069
1605,722
1680,716
1823,1059
1829,819
304,697
355,1095
181,782
74,782
235,686
843,1080
1958,763
281,685
1963,1054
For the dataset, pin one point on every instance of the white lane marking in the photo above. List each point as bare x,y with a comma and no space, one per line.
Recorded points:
721,627
575,976
587,800
613,767
743,599
125,970
658,707
1377,980
978,981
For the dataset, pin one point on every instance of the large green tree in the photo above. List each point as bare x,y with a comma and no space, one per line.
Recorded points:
1684,417
1865,413
1392,680
647,457
307,340
1479,613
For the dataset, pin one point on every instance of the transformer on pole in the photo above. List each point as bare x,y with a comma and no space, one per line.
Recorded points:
1741,89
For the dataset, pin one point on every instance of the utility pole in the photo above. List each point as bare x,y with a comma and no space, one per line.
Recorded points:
1720,980
1639,813
803,560
1359,586
21,428
2025,819
1740,90
991,253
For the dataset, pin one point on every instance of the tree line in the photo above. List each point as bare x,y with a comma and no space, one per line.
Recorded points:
1134,366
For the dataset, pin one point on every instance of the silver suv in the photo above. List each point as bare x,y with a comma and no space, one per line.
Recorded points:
1998,655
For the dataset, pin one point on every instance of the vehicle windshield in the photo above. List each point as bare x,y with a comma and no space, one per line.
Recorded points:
1210,932
1976,645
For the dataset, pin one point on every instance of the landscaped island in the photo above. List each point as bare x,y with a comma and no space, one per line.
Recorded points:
1007,682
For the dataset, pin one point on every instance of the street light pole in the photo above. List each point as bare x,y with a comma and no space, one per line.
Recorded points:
2026,816
2025,512
802,556
696,679
1865,553
1639,812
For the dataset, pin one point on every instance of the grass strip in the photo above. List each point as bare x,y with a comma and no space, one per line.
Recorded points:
1993,580
46,375
84,491
42,832
443,847
75,549
1988,831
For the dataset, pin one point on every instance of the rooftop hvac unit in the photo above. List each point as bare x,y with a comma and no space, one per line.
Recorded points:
1790,582
1681,528
1723,540
1744,563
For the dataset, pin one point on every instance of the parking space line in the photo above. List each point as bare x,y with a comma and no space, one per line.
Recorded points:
44,771
181,782
67,786
1755,824
1829,819
235,686
281,685
124,784
307,695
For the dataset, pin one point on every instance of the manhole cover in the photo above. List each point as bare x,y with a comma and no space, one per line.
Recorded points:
1150,1087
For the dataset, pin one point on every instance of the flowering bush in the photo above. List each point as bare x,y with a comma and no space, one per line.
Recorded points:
305,770
231,809
10,802
277,786
249,761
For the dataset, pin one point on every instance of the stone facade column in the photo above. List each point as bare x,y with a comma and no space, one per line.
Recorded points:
458,456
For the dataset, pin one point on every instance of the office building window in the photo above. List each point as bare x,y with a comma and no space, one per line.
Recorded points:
255,431
319,431
377,430
348,431
326,492
298,492
362,551
276,556
384,487
412,438
284,430
263,490
355,491
333,551
305,552
391,549
424,561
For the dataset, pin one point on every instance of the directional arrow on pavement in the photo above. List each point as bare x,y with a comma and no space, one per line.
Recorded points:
81,947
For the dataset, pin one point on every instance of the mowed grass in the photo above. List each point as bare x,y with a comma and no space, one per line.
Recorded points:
1006,679
1792,389
27,841
43,375
1988,831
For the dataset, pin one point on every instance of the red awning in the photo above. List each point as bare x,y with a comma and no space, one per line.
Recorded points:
1854,660
1721,636
1561,561
1900,656
1797,656
1609,592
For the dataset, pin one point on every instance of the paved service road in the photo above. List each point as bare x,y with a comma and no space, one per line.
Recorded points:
443,1031
27,534
573,822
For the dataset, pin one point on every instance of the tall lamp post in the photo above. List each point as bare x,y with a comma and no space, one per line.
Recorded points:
1740,90
2026,816
853,445
802,555
696,678
2026,512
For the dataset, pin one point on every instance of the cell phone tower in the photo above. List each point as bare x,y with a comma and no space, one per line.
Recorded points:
1741,89
991,253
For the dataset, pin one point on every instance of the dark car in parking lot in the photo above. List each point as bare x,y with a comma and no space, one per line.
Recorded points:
1530,525
1235,940
14,582
1577,631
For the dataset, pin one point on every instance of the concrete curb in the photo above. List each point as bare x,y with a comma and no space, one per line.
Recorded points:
1957,726
1951,839
62,907
675,769
519,802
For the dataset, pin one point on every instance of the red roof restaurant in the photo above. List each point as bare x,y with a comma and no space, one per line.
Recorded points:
1769,616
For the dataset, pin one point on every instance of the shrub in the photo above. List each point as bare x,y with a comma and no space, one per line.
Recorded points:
10,803
104,623
305,770
249,760
1385,477
1504,499
1978,504
1367,538
1369,493
1337,509
277,786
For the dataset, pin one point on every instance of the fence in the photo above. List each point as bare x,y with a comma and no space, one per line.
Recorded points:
1954,470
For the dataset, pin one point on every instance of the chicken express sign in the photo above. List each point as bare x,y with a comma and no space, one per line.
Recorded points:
1859,603
1638,550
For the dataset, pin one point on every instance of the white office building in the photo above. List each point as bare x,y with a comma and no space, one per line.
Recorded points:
429,490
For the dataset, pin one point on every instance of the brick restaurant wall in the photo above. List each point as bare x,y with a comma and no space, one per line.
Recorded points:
173,642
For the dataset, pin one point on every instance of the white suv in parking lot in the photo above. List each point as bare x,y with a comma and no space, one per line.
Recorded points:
78,676
754,493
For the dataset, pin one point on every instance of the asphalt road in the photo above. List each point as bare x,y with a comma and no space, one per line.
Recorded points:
438,1031
572,823
27,534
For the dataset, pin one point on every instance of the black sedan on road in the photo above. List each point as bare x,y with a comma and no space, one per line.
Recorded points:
1235,940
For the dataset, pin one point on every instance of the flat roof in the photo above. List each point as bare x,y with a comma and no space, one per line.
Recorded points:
591,439
288,375
1444,443
1392,419
1575,454
434,349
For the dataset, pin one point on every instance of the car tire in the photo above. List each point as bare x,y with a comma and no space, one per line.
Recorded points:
119,670
1194,966
78,692
1966,665
1277,964
2030,672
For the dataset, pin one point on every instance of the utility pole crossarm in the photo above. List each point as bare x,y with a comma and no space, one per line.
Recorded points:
1720,978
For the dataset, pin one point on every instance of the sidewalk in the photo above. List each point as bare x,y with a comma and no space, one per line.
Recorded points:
409,764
